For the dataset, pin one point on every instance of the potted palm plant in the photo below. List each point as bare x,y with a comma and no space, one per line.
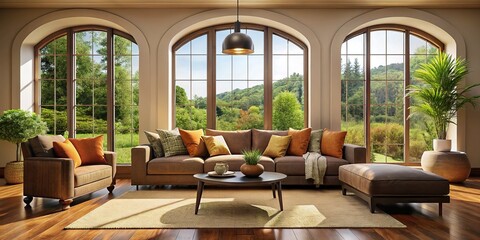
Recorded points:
440,96
17,126
251,167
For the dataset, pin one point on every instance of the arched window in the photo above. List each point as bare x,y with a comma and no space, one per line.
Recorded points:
266,89
87,84
378,63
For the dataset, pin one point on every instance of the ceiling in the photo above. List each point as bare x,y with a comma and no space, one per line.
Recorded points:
243,3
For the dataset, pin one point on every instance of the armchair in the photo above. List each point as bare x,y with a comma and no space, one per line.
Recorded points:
52,177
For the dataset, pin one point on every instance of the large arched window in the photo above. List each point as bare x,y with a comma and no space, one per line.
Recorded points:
87,84
267,89
378,63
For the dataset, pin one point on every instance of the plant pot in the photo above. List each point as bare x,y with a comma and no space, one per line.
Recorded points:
251,170
14,172
442,145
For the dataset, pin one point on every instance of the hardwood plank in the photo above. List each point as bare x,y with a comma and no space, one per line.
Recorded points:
186,234
45,220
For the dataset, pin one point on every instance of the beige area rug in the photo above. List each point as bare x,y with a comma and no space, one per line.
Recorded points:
234,208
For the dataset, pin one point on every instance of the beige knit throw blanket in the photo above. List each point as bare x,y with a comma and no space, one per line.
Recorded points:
315,167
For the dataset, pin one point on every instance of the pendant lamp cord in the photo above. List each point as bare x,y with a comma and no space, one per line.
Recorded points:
237,10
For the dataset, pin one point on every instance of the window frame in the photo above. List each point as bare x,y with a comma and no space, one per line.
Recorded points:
407,30
70,63
210,32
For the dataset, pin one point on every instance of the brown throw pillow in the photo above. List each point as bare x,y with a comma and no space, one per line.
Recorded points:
299,143
332,143
90,149
194,142
277,146
67,150
42,145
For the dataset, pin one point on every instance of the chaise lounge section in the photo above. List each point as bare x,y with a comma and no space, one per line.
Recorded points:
179,170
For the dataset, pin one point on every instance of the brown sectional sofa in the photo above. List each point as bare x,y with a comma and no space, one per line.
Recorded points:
179,170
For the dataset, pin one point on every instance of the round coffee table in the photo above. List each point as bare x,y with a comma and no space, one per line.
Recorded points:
273,178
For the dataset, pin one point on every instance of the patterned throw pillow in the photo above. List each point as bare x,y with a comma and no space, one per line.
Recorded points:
154,140
172,142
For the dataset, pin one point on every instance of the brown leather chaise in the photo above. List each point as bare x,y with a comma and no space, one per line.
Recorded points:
51,177
389,183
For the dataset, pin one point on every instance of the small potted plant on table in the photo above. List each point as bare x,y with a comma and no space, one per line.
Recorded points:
17,126
251,167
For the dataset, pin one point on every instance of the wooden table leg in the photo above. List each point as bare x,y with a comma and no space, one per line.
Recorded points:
273,190
199,195
280,200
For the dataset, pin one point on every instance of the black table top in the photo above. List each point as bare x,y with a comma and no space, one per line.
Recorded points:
240,179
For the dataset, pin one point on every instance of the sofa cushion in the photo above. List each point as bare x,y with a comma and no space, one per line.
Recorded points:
180,164
260,138
333,164
295,165
42,145
235,161
237,141
91,173
300,139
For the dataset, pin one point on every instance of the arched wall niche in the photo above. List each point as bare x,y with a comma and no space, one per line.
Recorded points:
38,29
434,25
216,17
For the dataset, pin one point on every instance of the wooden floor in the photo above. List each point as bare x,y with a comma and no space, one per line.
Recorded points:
461,220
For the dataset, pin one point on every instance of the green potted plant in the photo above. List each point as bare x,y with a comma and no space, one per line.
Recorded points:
251,167
440,95
17,126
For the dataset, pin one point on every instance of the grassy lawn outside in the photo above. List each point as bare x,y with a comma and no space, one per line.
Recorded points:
380,158
123,145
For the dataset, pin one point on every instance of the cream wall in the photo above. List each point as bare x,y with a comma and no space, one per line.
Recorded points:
157,30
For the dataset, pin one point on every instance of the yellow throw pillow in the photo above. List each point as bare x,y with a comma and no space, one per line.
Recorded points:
277,146
216,145
300,139
332,143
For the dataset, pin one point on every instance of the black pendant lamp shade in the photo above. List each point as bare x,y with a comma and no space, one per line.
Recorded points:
237,43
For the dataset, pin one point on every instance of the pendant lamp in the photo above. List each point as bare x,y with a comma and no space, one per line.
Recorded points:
237,43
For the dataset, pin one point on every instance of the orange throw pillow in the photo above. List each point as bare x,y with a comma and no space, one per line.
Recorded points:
67,150
194,142
299,143
332,143
90,149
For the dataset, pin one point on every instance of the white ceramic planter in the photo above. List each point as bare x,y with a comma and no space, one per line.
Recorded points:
442,145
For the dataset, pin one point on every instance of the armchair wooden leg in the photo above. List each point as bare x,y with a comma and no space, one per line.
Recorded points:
27,200
110,188
66,203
